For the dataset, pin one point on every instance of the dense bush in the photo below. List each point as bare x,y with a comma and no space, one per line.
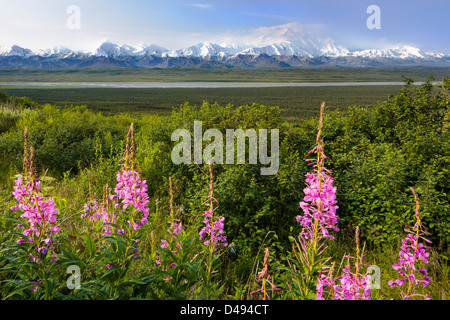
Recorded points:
378,154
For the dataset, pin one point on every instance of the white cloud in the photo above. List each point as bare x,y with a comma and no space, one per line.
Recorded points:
265,35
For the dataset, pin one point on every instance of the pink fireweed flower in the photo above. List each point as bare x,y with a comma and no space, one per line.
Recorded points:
350,285
263,274
105,216
212,232
165,244
411,253
131,190
38,210
325,280
99,213
319,205
175,228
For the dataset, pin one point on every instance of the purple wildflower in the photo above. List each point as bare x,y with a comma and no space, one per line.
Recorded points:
39,210
99,213
212,232
319,205
263,274
350,285
131,190
411,253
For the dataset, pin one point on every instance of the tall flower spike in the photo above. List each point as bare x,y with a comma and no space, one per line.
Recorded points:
319,205
412,253
354,286
174,229
175,224
213,229
131,191
91,206
25,152
38,210
105,213
264,275
350,285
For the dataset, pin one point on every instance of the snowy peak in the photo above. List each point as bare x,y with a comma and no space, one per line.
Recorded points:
16,51
56,50
284,42
280,46
153,49
286,33
297,47
291,40
399,52
203,50
112,50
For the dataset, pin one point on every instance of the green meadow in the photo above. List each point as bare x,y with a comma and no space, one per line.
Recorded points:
294,102
223,75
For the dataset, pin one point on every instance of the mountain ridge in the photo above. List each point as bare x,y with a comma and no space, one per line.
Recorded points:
285,53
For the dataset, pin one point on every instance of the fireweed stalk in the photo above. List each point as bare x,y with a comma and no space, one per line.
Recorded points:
91,205
319,208
351,285
264,275
212,233
213,228
319,205
173,231
411,253
39,210
100,215
130,191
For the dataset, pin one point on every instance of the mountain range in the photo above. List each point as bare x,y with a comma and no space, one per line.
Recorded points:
281,48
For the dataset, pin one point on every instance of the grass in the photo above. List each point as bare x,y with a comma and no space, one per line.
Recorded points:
295,102
334,74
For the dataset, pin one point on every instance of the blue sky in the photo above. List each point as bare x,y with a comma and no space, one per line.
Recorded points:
180,23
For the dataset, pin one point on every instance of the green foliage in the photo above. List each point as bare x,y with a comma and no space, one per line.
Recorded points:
3,96
376,154
65,139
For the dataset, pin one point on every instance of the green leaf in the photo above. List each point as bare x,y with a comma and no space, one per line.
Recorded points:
90,246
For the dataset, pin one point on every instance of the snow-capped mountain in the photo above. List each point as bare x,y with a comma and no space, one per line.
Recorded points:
291,48
55,51
209,50
291,40
280,46
203,50
112,50
399,52
16,51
